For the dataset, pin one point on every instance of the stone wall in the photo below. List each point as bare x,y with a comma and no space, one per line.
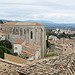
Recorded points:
24,32
15,59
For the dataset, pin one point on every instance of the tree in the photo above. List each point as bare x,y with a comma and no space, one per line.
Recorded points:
4,50
6,43
15,54
47,42
1,21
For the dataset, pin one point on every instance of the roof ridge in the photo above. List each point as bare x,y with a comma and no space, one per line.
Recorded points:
23,23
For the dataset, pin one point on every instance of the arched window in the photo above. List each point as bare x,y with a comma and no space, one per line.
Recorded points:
16,30
31,35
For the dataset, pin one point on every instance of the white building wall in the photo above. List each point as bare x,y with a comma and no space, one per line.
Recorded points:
17,48
36,54
31,58
3,38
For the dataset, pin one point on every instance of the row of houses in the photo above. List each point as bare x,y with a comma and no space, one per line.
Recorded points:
32,51
60,31
27,38
63,45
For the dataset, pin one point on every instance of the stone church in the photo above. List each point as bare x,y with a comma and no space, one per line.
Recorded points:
31,32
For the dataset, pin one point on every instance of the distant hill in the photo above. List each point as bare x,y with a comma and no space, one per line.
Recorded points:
48,24
39,21
9,21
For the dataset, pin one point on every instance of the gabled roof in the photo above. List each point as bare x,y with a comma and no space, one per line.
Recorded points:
23,23
19,41
28,53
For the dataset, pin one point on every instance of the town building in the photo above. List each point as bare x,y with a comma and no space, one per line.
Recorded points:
63,46
2,36
31,32
51,37
31,50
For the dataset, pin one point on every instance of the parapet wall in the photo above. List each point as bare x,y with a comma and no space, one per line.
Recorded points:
15,59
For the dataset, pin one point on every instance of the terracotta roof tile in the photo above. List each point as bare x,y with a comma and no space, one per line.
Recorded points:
34,45
63,44
4,32
19,42
28,53
31,43
25,46
31,48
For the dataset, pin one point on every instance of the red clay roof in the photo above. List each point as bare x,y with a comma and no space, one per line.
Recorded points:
31,48
28,53
24,45
34,45
19,42
4,32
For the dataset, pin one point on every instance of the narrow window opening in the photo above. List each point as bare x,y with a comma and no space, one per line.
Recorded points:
31,35
24,31
7,57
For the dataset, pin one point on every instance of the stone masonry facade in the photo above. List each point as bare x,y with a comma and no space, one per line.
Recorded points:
32,32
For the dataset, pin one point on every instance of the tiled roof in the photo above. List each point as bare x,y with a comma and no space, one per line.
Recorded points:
31,48
4,32
23,23
34,45
63,44
19,42
8,67
58,65
28,53
25,46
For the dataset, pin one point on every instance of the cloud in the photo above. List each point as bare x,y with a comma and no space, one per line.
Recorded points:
52,10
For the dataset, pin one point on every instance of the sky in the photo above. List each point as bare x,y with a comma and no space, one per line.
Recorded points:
58,11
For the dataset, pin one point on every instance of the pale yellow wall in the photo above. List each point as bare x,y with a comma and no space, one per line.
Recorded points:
15,59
